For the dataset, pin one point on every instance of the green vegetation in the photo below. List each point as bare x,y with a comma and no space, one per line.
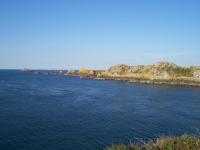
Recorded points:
118,69
168,143
185,72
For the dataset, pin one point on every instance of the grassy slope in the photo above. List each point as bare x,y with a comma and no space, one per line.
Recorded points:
168,143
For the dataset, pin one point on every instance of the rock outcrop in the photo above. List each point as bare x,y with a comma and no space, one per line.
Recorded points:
159,70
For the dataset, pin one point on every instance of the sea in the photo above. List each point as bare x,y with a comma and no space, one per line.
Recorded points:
49,112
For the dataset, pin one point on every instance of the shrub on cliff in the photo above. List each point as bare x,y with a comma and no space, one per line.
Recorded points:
168,143
118,69
182,71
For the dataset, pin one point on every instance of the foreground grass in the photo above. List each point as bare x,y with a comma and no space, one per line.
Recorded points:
184,142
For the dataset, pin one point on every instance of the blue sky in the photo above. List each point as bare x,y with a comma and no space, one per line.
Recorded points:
66,34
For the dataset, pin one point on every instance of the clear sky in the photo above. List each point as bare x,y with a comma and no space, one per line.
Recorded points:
66,34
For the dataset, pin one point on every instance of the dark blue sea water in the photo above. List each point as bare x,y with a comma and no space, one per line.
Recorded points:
45,112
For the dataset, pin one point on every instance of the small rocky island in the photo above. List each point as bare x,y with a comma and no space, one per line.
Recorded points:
159,73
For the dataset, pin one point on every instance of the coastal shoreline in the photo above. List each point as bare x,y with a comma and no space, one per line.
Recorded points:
161,73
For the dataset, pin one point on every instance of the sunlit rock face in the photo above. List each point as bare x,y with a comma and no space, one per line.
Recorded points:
87,72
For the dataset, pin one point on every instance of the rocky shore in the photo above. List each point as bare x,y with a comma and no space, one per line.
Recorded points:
159,73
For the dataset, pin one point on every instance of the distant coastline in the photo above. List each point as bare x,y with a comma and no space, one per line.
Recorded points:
161,73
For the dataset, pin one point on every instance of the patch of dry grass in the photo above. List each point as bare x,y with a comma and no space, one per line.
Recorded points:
184,142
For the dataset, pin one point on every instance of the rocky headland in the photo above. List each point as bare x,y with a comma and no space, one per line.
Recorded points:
158,73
